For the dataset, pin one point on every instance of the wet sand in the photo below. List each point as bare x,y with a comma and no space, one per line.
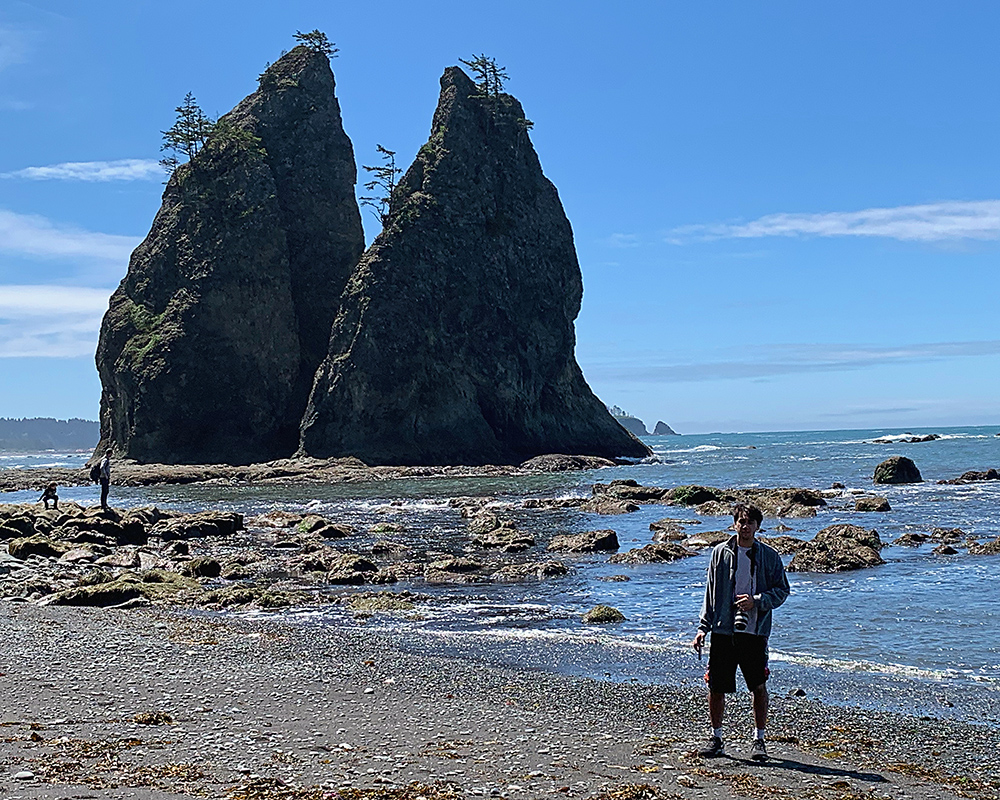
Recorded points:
147,703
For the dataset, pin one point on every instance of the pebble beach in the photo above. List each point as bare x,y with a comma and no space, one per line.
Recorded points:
156,704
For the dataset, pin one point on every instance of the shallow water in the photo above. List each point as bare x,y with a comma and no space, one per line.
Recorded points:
908,633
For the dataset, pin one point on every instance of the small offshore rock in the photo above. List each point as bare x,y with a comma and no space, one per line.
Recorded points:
911,539
838,548
944,550
589,542
990,548
555,462
707,538
785,545
608,506
897,469
657,552
602,614
972,476
871,503
693,495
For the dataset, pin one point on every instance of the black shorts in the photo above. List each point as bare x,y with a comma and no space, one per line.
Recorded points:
747,651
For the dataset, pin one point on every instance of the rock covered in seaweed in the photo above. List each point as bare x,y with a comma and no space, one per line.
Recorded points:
209,346
454,342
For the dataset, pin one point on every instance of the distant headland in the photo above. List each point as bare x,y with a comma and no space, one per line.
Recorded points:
46,433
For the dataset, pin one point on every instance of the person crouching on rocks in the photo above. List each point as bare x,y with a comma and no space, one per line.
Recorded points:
746,580
50,494
105,479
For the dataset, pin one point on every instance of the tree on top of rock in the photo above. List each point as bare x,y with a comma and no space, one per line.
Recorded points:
187,135
318,42
490,76
384,180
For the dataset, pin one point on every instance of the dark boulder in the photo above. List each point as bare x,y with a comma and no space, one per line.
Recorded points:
602,615
657,552
608,506
870,502
973,476
707,538
531,570
199,525
897,469
454,343
693,495
785,545
630,490
838,548
589,542
989,548
554,462
208,348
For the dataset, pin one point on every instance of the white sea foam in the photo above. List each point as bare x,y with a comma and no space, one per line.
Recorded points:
701,448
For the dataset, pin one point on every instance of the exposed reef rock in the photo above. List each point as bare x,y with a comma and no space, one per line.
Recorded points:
454,342
208,349
838,548
662,429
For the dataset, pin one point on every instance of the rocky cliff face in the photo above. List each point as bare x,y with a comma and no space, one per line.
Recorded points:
454,341
208,349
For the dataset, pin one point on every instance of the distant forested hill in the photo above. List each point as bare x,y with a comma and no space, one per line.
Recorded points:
45,433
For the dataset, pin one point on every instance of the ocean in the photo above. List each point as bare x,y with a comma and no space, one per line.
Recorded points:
919,634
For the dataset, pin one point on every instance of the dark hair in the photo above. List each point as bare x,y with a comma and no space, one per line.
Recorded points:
752,513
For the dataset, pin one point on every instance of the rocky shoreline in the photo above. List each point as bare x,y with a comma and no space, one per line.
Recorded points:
282,472
81,556
152,704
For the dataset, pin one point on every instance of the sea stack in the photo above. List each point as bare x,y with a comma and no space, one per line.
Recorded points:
454,343
208,349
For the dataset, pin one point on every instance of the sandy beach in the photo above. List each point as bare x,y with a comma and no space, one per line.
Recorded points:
146,703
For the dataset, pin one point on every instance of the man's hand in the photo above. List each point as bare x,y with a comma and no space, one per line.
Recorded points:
699,641
744,602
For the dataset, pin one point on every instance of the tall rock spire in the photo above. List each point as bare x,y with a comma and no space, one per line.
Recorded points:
208,349
454,340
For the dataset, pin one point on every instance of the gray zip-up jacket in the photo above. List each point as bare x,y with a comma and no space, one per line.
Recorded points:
717,610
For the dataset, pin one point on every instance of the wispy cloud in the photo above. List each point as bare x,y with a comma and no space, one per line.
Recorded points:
126,169
932,222
622,240
50,321
32,235
768,362
13,46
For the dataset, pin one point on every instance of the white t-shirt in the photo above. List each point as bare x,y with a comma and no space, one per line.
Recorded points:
745,583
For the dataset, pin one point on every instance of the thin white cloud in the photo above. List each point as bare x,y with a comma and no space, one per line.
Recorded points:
932,222
125,169
13,47
622,240
768,362
36,236
50,321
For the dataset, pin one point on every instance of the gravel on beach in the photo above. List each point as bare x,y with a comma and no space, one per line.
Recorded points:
152,704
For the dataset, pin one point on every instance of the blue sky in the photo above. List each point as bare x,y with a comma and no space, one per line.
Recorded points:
787,214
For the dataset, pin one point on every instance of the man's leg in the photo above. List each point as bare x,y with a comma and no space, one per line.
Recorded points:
717,708
760,703
105,485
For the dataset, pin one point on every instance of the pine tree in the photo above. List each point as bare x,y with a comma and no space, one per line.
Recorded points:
490,76
318,42
385,181
187,135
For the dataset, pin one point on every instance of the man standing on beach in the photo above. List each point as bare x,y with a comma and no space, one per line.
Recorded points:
746,580
105,478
